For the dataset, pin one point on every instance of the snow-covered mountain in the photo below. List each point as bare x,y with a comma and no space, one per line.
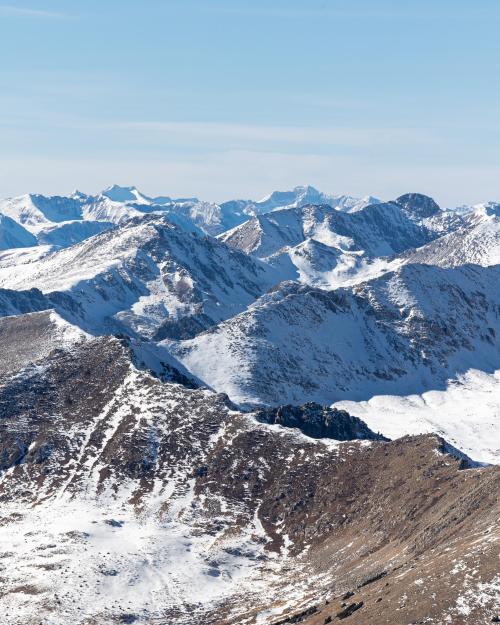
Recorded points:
217,218
62,221
194,428
406,332
126,194
13,235
381,229
58,219
304,195
153,274
321,246
477,241
144,277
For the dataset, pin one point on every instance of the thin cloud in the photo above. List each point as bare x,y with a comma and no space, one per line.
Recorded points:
212,133
226,136
7,10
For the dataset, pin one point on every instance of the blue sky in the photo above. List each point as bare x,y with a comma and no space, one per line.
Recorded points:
228,99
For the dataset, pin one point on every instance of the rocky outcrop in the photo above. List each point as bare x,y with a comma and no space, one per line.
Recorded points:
418,206
318,421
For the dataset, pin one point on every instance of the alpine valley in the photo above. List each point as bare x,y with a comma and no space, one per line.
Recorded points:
256,412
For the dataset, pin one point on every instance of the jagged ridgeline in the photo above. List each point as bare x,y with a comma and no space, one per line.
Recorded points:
255,412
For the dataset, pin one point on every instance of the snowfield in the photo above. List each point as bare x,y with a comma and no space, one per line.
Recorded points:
115,564
466,414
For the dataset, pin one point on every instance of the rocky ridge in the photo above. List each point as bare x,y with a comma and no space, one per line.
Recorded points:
259,513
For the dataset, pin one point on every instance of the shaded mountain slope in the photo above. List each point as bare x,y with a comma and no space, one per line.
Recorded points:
382,229
13,235
407,331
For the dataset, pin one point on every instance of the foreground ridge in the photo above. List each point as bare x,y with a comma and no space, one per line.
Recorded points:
111,479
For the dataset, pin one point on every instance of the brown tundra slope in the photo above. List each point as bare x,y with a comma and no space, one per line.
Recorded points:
127,499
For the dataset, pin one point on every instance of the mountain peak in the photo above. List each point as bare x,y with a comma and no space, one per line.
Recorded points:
418,205
297,192
79,195
307,188
125,194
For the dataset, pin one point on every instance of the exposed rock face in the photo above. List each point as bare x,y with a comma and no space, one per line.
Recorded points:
132,477
13,302
318,421
183,328
26,339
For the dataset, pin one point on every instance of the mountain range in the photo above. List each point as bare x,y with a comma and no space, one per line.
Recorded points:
261,412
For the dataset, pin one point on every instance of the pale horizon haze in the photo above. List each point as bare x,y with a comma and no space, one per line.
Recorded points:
229,99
